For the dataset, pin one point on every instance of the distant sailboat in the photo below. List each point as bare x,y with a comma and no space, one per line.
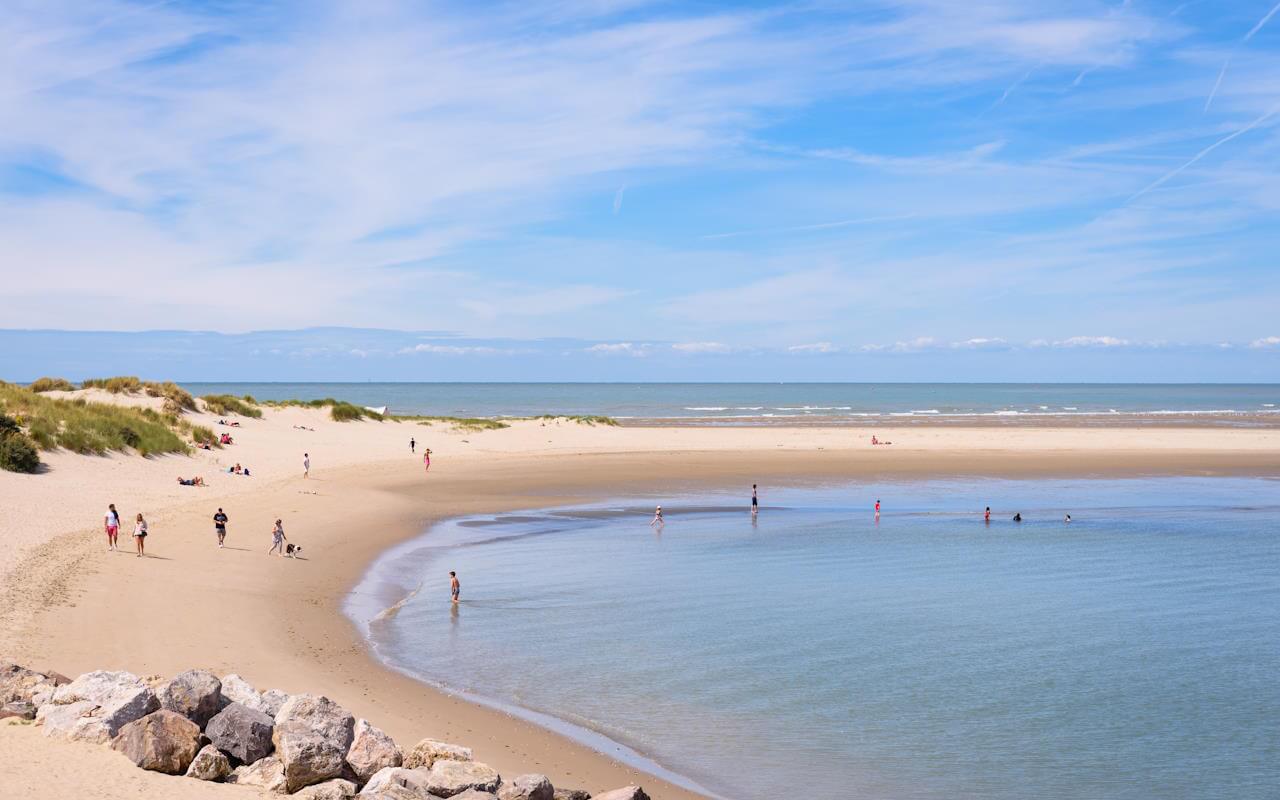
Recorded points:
379,410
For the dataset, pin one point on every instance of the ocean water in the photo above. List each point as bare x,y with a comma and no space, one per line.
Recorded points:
1133,653
815,403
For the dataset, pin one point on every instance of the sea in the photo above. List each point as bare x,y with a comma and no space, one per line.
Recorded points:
1247,405
822,650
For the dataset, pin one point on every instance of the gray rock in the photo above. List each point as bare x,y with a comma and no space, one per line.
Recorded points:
162,741
267,773
18,684
336,789
572,794
371,750
98,686
272,701
426,752
527,787
243,733
238,690
210,764
474,794
195,694
105,722
448,778
625,793
58,720
397,783
19,709
312,737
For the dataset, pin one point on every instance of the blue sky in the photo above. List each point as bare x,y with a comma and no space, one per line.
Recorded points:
961,190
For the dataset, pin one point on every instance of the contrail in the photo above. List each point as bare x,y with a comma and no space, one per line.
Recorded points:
1207,151
617,199
1262,22
1217,83
844,223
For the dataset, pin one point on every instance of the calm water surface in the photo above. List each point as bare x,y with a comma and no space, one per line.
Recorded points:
1131,654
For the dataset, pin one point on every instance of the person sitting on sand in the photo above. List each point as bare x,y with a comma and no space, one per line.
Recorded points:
140,535
874,440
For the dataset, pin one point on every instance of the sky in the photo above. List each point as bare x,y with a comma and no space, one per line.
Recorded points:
614,189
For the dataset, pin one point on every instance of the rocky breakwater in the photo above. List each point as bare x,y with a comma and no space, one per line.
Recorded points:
223,730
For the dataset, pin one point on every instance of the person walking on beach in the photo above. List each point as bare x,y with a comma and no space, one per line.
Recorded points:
111,524
755,500
306,465
412,445
140,535
277,538
426,460
455,586
220,526
657,520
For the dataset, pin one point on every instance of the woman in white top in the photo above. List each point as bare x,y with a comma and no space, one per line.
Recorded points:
140,535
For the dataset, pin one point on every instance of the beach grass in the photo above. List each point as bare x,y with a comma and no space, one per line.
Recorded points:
230,404
52,385
94,428
176,399
582,419
468,424
339,410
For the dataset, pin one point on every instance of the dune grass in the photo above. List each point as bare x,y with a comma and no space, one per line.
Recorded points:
230,404
339,410
52,385
582,419
95,428
468,424
176,399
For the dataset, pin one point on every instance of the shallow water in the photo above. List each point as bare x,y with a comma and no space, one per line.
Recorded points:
1130,654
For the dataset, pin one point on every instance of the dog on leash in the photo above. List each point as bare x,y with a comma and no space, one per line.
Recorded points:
292,550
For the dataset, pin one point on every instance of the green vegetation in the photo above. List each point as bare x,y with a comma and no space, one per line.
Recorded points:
339,410
582,419
17,451
52,385
468,424
96,428
230,404
176,399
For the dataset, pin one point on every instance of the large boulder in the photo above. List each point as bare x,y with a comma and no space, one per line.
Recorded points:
371,750
448,778
527,787
210,764
58,720
242,733
336,789
625,793
195,694
312,736
105,723
571,794
98,686
21,685
273,700
267,773
238,690
20,709
397,783
426,752
162,741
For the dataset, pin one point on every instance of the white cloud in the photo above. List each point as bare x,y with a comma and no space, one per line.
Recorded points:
701,347
814,347
619,349
1092,341
456,350
979,343
1268,341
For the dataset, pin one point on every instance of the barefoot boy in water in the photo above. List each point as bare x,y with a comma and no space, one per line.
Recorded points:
455,588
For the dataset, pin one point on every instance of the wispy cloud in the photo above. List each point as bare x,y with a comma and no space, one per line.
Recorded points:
701,347
617,199
619,349
813,347
1262,22
1265,342
1206,151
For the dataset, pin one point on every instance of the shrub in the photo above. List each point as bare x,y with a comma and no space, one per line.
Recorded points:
96,428
18,452
52,385
346,412
122,384
230,404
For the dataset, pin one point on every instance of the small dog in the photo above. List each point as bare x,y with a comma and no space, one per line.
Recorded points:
292,550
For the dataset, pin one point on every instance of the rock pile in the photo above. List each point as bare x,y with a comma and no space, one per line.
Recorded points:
222,729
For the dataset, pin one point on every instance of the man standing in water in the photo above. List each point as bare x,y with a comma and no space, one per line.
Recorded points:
455,587
220,526
755,501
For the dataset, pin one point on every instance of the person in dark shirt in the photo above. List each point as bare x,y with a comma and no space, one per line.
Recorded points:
220,526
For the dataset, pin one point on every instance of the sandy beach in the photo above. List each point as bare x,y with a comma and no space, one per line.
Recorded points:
68,604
